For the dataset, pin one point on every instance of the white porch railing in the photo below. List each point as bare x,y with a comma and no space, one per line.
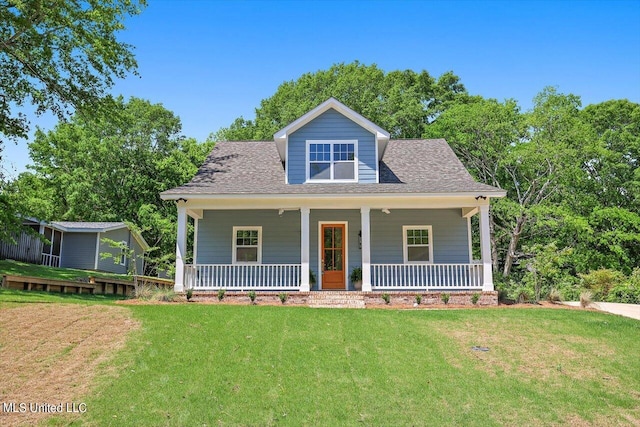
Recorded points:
426,276
240,277
50,260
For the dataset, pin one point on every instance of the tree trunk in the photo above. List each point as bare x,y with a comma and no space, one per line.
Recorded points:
494,246
513,244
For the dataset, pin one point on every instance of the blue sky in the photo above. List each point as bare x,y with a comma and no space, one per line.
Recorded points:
212,61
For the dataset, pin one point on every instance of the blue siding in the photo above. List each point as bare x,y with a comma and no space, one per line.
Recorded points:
109,264
78,250
450,238
332,125
280,235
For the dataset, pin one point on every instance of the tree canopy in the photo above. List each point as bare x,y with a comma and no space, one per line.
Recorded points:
402,102
59,55
112,169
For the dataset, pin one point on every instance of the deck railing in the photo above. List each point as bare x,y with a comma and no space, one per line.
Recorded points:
240,277
426,276
50,260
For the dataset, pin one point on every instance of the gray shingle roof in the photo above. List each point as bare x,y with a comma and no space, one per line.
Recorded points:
97,226
425,166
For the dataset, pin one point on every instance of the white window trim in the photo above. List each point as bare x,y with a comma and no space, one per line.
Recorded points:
405,250
331,142
123,255
235,246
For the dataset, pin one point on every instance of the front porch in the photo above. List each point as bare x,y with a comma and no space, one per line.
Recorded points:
420,246
286,277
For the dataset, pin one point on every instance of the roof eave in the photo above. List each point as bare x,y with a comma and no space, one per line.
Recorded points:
201,196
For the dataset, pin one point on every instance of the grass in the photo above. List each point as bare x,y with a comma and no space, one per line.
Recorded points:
24,269
194,364
11,297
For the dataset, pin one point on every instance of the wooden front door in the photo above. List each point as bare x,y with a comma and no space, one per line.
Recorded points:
333,266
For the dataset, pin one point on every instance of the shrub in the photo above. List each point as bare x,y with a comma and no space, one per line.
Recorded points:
164,294
386,297
252,296
221,293
144,292
189,294
586,298
475,298
627,292
599,282
522,294
554,295
445,298
418,299
283,297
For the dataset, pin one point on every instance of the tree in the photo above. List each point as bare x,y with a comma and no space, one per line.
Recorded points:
402,102
99,169
60,54
534,156
614,170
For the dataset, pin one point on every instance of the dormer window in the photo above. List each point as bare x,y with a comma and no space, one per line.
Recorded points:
332,161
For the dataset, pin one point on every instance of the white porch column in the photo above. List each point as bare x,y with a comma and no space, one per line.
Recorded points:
181,247
365,224
304,249
485,249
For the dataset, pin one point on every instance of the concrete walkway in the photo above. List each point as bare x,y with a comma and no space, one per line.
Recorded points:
626,310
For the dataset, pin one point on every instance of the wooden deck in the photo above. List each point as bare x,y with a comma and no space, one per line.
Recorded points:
99,286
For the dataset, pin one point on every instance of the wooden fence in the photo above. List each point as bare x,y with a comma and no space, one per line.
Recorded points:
28,249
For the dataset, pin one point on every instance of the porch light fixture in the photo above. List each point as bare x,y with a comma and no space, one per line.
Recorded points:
280,212
360,239
481,197
386,210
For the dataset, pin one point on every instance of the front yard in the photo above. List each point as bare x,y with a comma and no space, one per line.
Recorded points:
192,364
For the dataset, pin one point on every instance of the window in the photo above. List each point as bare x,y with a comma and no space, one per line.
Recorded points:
123,253
332,161
418,247
247,245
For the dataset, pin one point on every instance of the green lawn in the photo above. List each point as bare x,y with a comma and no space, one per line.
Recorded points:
33,270
11,298
257,365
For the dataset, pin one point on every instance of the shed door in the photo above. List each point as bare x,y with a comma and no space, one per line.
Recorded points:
333,268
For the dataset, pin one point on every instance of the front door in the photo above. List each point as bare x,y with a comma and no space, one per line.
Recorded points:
333,268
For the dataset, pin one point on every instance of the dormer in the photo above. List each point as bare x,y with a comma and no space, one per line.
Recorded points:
331,144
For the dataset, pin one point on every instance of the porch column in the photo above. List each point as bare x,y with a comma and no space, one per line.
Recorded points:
485,249
304,250
366,248
181,247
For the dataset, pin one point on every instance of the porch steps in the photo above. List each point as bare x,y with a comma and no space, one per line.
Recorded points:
336,299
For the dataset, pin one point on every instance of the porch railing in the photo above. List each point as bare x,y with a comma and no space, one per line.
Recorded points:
239,277
50,260
426,276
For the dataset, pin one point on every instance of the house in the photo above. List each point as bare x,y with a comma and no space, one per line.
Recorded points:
332,192
78,245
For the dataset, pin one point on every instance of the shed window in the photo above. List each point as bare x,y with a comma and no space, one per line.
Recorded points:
418,247
332,161
123,253
247,245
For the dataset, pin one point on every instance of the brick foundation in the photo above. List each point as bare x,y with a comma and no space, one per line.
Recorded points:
397,299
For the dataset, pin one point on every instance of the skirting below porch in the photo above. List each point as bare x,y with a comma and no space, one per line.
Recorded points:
353,299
